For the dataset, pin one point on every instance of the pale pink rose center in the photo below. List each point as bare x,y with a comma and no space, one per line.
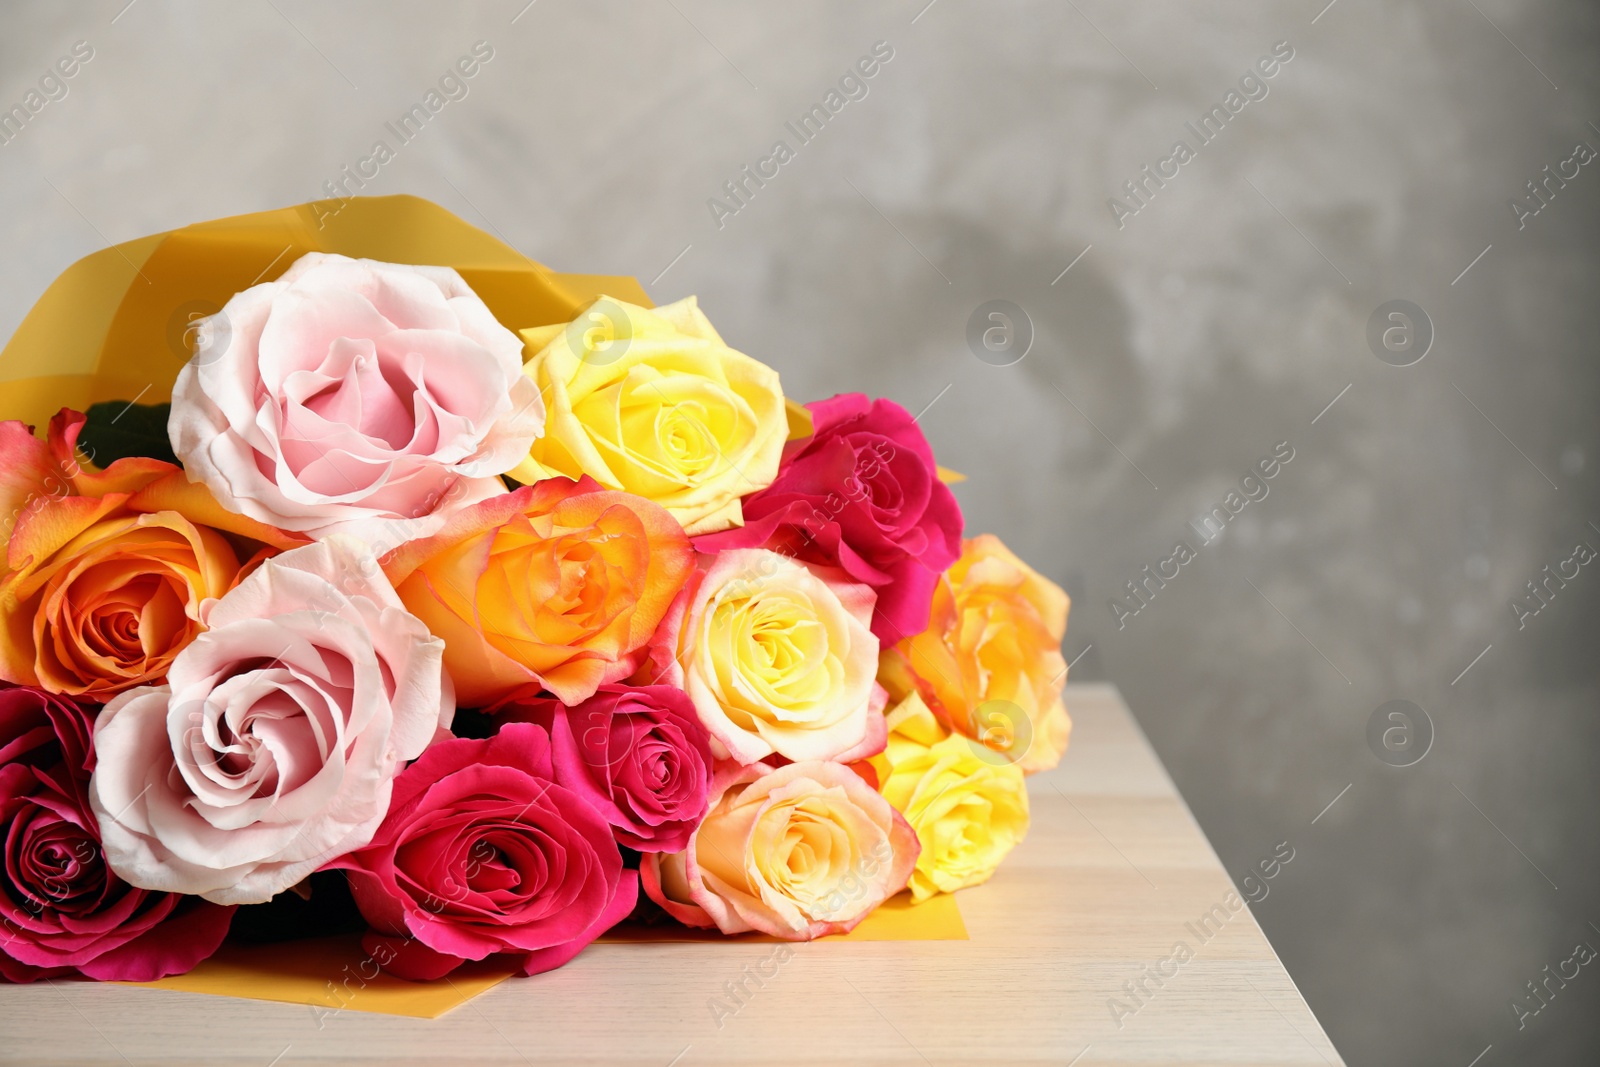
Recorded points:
264,733
369,397
366,401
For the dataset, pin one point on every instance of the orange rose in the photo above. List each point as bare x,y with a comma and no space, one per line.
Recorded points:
105,571
555,586
989,664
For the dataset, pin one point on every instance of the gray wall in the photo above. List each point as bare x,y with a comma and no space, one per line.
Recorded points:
1217,322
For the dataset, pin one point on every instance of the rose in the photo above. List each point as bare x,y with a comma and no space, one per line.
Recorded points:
41,730
61,910
863,494
989,664
556,586
356,396
798,852
275,745
968,811
637,754
105,571
483,853
654,403
777,657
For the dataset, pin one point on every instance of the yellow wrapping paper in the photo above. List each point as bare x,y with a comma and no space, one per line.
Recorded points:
334,974
119,324
896,919
331,974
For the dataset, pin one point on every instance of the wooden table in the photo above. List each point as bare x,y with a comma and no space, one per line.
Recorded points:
1113,875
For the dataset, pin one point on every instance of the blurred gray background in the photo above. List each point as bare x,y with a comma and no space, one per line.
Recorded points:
1179,349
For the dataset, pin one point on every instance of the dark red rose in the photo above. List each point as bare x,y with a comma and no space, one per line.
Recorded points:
861,493
483,853
39,729
637,754
62,911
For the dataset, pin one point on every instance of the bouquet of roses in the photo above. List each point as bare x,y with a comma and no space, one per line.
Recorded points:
521,627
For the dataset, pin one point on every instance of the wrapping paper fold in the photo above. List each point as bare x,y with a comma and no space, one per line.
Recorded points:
334,975
896,919
119,323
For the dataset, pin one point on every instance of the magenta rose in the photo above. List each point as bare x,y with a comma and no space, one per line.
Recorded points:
861,493
483,853
637,754
62,910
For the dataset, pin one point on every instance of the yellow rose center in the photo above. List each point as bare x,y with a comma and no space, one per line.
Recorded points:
659,427
813,851
686,440
771,653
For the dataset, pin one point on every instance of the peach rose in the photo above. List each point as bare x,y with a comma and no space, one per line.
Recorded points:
105,571
989,664
798,852
778,657
556,586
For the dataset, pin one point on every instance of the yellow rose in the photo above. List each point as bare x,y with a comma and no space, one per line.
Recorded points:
989,664
652,402
968,810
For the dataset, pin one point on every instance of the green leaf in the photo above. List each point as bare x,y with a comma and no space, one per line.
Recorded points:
117,429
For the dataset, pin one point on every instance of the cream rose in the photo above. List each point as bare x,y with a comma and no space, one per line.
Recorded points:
354,396
274,746
778,657
969,808
798,852
652,402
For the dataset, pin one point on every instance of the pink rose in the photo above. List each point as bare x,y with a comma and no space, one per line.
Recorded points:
862,494
482,854
273,747
637,754
62,911
356,396
798,852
